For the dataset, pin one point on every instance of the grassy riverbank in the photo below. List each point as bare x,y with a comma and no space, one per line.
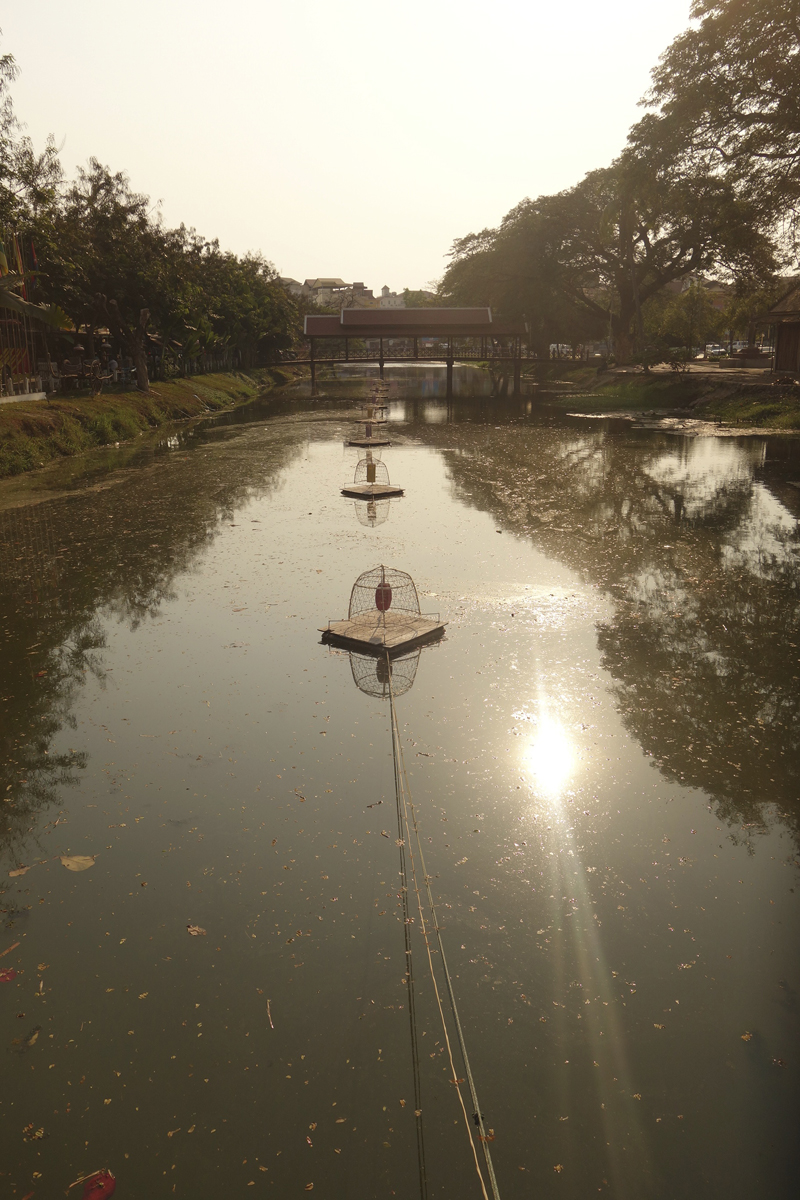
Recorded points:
750,402
33,433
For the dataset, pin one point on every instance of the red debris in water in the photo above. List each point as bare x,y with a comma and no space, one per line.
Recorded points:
7,974
383,597
99,1185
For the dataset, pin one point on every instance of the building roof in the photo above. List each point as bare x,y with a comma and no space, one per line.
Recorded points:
788,305
410,322
326,283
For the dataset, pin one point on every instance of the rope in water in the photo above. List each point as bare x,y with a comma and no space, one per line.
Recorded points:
412,1010
405,806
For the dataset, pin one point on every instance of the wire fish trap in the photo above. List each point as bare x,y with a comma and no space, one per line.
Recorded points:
373,419
371,481
373,674
384,615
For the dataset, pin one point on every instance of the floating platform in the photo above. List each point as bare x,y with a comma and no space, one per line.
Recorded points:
375,632
371,491
369,442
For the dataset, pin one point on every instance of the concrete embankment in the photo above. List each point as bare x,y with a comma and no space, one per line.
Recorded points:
33,433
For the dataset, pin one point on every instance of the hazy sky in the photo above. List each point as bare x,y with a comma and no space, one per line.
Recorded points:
339,138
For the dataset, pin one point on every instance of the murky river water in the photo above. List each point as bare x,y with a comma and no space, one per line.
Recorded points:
604,755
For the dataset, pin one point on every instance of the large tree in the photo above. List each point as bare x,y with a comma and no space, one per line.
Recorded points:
727,94
590,257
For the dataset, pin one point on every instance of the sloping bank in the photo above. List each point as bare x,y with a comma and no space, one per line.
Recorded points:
36,432
750,403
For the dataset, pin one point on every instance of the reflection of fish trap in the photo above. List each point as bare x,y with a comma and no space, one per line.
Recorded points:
384,614
373,674
374,512
371,481
375,410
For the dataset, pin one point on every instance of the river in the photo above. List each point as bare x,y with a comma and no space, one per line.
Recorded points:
603,752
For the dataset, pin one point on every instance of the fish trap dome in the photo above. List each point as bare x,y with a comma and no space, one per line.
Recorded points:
373,675
384,589
371,470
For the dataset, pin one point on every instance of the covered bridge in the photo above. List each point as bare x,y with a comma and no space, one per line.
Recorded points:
415,335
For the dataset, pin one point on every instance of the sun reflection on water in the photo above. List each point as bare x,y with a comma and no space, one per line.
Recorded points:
550,758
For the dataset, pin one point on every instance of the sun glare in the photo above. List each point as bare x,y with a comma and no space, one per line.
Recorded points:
550,758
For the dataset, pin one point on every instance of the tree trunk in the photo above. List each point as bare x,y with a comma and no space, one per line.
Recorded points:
622,326
140,362
623,344
133,338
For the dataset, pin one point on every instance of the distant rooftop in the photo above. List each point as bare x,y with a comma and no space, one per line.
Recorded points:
326,283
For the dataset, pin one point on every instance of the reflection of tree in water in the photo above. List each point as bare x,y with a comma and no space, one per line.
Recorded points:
119,550
702,561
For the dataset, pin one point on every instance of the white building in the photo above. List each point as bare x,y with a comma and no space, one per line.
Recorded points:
391,299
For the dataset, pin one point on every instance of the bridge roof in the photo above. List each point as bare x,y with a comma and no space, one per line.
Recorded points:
788,305
409,322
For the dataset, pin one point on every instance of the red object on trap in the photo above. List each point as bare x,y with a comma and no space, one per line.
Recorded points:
96,1187
383,597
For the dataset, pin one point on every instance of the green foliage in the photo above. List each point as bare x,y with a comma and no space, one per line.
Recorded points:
106,259
726,96
586,261
689,319
748,306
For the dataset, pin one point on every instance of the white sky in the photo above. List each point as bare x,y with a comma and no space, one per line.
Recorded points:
345,138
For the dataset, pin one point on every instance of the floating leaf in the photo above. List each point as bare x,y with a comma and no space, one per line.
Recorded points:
78,862
746,1037
196,931
18,871
558,1168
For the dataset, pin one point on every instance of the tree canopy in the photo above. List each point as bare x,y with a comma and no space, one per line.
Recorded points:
708,183
105,259
726,94
582,263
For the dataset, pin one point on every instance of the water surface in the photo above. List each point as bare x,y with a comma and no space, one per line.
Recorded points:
603,751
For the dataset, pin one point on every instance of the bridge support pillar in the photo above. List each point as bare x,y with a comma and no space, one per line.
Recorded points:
449,392
517,375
